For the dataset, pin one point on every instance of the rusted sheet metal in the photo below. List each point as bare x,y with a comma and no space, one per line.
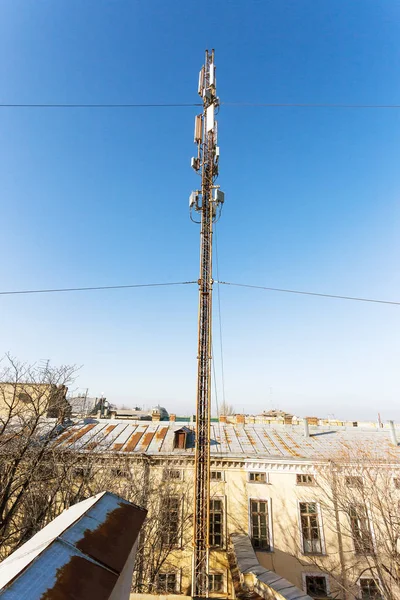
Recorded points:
114,434
124,437
288,449
160,436
274,446
81,432
243,439
64,436
107,536
85,550
260,441
131,444
80,578
146,441
110,428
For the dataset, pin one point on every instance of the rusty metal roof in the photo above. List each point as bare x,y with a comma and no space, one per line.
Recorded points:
258,440
79,555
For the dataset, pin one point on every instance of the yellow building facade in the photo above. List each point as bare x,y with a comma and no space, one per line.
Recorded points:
306,498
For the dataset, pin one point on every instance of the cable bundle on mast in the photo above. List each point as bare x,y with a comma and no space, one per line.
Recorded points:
207,204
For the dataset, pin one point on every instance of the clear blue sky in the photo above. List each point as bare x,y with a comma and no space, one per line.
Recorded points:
100,197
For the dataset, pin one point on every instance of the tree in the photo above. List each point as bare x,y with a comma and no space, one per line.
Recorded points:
43,470
226,409
33,410
359,495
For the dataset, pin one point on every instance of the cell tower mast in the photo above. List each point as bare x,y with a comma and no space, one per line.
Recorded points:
205,208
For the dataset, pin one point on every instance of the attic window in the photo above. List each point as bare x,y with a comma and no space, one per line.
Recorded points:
180,438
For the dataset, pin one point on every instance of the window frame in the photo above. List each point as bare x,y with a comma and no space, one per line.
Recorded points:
367,513
264,473
178,543
270,527
167,470
223,511
306,484
376,579
320,528
224,582
306,574
221,479
177,586
356,486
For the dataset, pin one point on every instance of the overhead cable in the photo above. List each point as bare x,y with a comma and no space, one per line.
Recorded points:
307,105
271,289
93,288
191,104
150,105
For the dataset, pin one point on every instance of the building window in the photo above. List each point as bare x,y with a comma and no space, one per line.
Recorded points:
316,586
172,474
305,479
260,525
361,529
216,582
369,589
170,520
396,482
167,582
120,473
354,481
24,397
216,475
310,528
257,477
216,523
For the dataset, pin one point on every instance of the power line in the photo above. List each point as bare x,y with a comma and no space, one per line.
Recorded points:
153,105
191,104
100,287
271,289
307,105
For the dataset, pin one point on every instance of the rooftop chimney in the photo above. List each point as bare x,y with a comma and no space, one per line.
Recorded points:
306,428
393,433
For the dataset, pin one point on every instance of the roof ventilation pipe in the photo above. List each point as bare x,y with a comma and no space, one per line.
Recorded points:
306,428
393,433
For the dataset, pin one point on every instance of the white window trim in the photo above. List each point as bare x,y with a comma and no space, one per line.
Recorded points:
270,521
377,579
320,524
258,482
315,574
